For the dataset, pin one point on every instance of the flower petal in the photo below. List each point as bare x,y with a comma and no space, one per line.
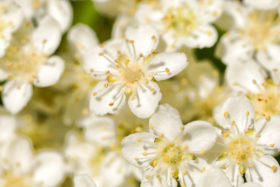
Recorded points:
46,38
214,177
50,72
145,100
199,136
245,76
61,11
250,184
236,110
115,170
3,74
18,154
145,40
166,121
8,126
263,4
83,181
48,168
270,132
99,130
210,11
16,95
268,172
166,65
106,98
134,145
203,36
82,37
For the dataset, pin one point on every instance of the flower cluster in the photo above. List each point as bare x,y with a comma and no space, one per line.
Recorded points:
180,93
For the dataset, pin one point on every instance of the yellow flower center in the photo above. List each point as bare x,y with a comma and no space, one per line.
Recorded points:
181,21
20,62
241,149
259,29
267,102
172,154
15,181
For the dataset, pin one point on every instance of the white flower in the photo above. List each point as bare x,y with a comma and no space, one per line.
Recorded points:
59,10
168,152
83,181
11,18
247,145
128,69
263,4
20,167
214,177
28,61
254,37
183,23
249,78
97,152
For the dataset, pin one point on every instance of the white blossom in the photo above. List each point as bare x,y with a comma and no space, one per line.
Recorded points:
169,152
183,22
83,181
28,61
247,145
127,68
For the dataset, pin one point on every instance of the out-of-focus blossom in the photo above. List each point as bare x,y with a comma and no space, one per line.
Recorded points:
83,181
97,152
127,67
183,23
170,151
263,4
28,60
253,37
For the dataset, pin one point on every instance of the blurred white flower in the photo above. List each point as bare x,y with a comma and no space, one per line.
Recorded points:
253,37
183,23
247,145
127,68
170,151
83,181
97,153
263,4
60,10
11,18
20,167
28,61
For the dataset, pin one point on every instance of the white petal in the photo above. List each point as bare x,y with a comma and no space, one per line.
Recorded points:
98,65
3,74
83,181
267,176
263,4
99,130
166,65
209,12
18,154
236,109
145,100
115,170
47,36
145,39
82,37
166,121
106,98
134,145
16,95
250,184
214,177
200,136
245,76
236,48
203,36
61,11
270,132
237,11
8,126
50,72
48,168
